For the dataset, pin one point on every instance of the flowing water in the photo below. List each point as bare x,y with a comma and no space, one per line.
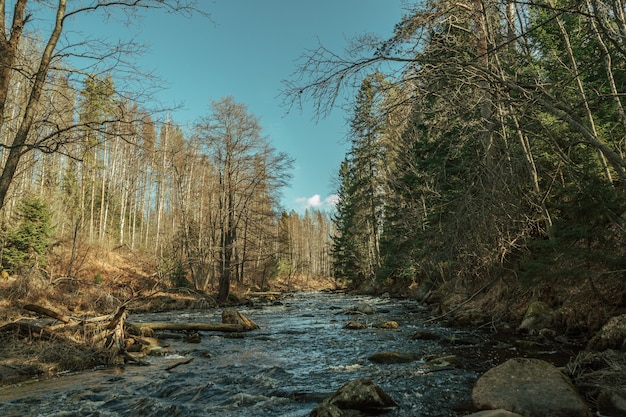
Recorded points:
300,355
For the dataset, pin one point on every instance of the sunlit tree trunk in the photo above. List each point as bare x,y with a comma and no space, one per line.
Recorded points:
6,67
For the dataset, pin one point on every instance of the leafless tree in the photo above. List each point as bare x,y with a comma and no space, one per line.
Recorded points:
54,57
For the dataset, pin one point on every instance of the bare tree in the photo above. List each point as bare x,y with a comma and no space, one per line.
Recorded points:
51,59
247,168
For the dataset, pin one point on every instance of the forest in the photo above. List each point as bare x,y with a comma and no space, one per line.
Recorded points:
487,145
89,165
486,139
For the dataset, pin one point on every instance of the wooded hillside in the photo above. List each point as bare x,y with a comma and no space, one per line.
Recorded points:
88,159
487,142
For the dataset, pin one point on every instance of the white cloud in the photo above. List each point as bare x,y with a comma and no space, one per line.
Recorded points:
316,201
331,200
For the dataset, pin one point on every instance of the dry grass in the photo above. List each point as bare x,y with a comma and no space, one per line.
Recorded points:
592,372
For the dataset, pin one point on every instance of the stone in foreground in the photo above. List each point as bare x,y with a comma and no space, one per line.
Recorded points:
529,387
360,395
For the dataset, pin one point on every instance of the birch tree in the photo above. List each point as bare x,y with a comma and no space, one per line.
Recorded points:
15,20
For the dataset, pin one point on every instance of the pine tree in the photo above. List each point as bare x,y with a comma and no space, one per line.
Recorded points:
25,245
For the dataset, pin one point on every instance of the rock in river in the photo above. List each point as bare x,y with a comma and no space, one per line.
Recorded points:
360,395
530,387
361,308
393,357
387,325
355,325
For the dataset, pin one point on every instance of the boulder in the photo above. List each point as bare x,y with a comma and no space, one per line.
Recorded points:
538,316
361,308
612,402
232,316
393,357
354,398
530,387
611,336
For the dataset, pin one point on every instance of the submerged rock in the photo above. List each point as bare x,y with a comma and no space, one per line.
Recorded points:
327,410
393,357
355,397
354,325
530,387
424,335
440,362
361,308
192,338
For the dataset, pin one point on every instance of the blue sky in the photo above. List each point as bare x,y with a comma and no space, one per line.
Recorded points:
246,51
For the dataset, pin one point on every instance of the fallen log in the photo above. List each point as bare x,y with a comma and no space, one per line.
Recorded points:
206,327
27,330
264,293
48,312
177,364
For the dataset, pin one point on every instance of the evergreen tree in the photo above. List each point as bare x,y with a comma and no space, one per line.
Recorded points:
26,244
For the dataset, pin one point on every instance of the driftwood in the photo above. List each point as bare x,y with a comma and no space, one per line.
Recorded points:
119,316
48,312
232,316
177,364
207,327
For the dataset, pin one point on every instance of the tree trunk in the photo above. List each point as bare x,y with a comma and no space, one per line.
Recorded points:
581,91
8,50
8,173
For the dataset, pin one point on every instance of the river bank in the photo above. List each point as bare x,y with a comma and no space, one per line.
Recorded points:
476,348
571,316
302,352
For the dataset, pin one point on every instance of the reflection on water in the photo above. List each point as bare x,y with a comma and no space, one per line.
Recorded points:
300,355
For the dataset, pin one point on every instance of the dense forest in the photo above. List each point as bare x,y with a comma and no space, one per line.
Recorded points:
88,162
487,140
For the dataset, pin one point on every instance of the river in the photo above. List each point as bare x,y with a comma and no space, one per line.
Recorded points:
300,355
